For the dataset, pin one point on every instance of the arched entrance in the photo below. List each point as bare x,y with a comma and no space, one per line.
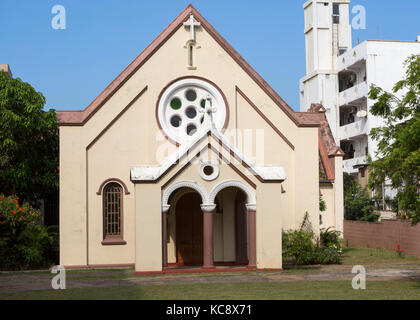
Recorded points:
189,230
205,229
230,227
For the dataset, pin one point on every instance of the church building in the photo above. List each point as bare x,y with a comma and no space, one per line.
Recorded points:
190,160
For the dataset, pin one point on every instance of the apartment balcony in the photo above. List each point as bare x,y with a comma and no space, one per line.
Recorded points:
353,94
348,165
353,130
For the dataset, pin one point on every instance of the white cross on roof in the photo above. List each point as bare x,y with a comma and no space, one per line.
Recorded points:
191,23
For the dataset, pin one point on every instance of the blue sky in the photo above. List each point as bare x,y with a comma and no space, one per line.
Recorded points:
71,67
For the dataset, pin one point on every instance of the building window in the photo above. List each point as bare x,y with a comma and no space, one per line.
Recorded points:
342,51
112,212
336,13
188,107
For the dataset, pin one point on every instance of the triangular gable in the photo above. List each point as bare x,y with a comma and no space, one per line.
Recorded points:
155,173
79,118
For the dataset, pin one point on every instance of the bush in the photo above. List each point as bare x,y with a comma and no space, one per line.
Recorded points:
329,237
24,242
298,244
301,246
327,255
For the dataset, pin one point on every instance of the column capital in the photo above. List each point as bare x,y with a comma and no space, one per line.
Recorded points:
251,207
165,208
208,207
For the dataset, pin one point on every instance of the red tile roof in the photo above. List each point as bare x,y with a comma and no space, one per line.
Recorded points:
328,149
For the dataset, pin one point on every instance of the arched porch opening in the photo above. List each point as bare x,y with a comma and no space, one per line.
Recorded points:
185,228
209,229
230,227
241,200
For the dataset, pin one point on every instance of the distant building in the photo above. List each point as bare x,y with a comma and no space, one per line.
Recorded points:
6,68
339,77
379,63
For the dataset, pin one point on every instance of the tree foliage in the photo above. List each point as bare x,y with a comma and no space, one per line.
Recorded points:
358,206
28,142
399,139
24,242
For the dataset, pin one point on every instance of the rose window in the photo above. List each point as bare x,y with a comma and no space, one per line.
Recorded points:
188,107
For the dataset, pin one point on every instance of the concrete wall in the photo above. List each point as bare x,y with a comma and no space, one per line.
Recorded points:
384,235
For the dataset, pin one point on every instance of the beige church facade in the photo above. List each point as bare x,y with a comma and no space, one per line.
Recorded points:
189,158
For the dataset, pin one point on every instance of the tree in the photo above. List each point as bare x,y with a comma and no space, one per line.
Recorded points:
28,142
399,140
358,205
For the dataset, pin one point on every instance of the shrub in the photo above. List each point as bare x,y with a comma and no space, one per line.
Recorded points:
327,255
329,237
298,244
301,246
24,241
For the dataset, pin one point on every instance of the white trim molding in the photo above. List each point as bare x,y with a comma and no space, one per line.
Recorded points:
208,207
251,200
153,173
251,207
184,184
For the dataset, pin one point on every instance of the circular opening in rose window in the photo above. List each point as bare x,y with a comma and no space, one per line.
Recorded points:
191,95
191,112
191,129
176,121
208,170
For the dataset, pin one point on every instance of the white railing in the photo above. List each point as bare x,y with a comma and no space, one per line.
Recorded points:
354,93
348,165
354,129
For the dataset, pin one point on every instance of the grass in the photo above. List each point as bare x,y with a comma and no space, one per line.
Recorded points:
319,290
369,256
296,288
351,256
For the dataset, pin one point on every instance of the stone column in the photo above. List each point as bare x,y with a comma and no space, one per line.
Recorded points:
165,210
252,231
208,235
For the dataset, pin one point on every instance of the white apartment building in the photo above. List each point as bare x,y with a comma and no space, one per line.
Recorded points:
373,62
327,35
339,77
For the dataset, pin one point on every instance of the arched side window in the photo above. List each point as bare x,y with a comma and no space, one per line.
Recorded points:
113,214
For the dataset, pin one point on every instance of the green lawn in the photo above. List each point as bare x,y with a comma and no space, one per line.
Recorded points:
296,288
319,290
368,256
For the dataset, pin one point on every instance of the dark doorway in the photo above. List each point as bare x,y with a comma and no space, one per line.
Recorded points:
189,230
241,228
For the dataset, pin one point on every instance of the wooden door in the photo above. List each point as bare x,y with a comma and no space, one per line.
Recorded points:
189,230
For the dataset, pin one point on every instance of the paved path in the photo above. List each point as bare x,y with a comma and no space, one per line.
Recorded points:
19,282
